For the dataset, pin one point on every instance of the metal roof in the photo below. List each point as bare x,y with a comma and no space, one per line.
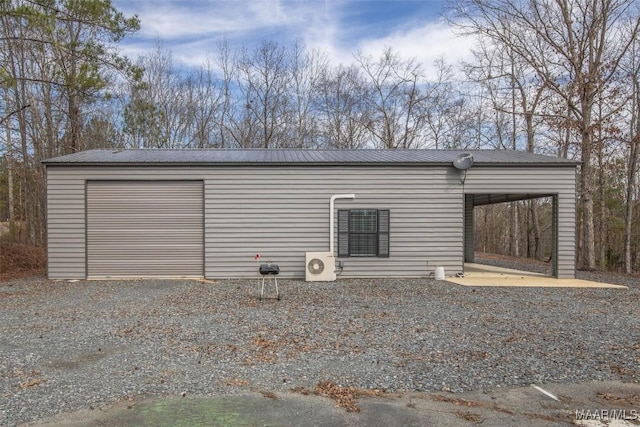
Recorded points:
300,157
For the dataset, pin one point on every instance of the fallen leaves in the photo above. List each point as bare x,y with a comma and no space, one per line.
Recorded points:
266,344
476,418
622,371
345,397
236,382
469,403
34,379
470,416
268,394
265,350
620,400
32,382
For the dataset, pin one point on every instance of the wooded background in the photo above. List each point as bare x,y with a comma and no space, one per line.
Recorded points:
556,77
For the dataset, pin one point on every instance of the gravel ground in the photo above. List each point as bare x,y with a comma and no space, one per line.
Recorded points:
72,345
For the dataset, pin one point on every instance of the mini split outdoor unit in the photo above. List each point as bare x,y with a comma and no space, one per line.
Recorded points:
321,266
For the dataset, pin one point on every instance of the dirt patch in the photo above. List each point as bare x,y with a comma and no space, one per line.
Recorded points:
73,363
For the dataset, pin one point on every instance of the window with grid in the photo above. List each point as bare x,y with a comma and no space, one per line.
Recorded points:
363,232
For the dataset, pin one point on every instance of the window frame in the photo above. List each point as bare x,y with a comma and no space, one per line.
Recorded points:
346,235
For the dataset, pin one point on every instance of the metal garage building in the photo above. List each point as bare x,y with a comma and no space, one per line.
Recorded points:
207,213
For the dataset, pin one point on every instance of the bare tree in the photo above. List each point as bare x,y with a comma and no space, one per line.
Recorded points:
306,69
632,68
206,100
228,129
450,119
263,72
343,113
396,100
161,109
575,47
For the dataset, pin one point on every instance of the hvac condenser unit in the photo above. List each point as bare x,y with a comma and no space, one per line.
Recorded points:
320,267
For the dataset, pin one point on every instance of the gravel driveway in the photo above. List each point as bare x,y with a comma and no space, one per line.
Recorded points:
71,345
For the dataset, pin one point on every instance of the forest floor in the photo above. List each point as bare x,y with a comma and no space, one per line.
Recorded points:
19,260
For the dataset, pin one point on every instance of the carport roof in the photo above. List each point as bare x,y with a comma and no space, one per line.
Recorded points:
301,157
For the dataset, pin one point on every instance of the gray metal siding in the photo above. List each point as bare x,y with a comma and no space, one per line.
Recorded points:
65,226
282,212
144,229
556,180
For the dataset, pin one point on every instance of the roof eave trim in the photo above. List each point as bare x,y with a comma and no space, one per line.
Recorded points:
275,164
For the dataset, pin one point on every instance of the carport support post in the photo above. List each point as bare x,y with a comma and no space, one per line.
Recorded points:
469,229
555,235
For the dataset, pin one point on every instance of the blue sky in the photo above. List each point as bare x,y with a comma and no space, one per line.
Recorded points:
192,28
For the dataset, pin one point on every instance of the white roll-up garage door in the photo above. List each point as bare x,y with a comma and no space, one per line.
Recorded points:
145,229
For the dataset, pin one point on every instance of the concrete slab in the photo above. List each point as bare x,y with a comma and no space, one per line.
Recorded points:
487,275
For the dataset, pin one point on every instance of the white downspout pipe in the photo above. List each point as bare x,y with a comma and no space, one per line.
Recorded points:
331,216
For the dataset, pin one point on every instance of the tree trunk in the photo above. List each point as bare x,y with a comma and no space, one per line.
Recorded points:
586,186
515,231
27,185
75,122
632,167
602,207
533,208
11,202
628,217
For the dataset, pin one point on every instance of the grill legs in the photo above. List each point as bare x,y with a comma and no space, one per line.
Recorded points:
275,280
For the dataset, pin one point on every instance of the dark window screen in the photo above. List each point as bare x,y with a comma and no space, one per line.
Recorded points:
363,233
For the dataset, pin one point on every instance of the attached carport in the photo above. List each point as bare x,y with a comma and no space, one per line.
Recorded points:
472,201
486,185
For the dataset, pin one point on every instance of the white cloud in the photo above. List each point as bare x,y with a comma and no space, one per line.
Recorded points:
192,29
175,20
425,43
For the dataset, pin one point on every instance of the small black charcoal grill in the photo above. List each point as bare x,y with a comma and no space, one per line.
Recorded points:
269,269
